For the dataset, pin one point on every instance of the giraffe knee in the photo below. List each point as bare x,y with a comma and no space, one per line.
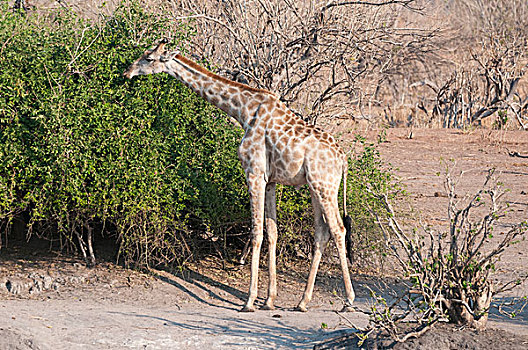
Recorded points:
257,240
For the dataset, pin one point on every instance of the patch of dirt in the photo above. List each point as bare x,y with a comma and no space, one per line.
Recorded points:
52,301
421,162
15,340
63,305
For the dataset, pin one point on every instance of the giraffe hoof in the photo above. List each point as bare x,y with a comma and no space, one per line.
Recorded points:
248,309
301,308
267,307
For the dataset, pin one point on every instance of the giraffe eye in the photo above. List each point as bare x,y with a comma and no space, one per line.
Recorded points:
149,59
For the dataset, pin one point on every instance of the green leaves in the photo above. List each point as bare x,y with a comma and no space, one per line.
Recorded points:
80,145
367,176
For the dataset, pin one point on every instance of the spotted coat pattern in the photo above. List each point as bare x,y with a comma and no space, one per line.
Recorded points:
277,147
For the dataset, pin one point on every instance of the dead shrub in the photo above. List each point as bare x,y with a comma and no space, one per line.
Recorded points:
448,273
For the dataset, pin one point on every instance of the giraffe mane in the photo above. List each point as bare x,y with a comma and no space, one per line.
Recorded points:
201,69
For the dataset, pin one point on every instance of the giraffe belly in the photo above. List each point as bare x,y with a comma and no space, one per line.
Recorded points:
296,181
292,174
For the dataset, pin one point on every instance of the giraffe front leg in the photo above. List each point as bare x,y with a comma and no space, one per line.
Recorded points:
271,229
256,186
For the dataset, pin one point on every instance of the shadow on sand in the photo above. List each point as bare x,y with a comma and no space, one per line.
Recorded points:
231,329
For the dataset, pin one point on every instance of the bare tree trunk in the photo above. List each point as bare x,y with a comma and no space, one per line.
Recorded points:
82,244
90,260
471,311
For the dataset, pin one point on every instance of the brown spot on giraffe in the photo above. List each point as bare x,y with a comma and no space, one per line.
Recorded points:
259,97
235,100
214,100
290,122
279,112
299,129
245,96
253,105
278,122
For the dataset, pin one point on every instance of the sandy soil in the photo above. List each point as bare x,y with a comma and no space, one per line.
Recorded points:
58,303
54,302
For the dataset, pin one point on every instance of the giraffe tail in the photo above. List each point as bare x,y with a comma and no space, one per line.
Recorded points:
347,220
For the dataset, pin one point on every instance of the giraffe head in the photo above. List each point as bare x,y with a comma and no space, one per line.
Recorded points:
151,62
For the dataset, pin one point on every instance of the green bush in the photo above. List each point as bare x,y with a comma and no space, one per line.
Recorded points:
82,146
367,175
145,160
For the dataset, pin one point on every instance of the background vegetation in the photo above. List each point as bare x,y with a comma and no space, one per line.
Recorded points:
433,63
84,152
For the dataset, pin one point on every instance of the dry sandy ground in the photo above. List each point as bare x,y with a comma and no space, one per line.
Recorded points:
53,302
63,305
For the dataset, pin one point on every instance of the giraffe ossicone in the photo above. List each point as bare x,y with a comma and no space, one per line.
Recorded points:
277,147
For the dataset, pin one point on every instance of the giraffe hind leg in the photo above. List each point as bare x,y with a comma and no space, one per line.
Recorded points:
338,231
321,237
330,210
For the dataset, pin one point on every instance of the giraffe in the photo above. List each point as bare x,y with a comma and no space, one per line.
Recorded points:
277,147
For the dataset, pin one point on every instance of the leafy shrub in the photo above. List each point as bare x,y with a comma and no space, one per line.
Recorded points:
368,175
84,150
81,147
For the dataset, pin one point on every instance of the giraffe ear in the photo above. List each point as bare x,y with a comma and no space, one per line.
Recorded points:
161,45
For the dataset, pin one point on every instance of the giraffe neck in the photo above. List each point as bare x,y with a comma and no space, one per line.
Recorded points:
240,101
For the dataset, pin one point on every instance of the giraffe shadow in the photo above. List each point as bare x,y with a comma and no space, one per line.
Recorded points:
217,292
330,281
205,289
